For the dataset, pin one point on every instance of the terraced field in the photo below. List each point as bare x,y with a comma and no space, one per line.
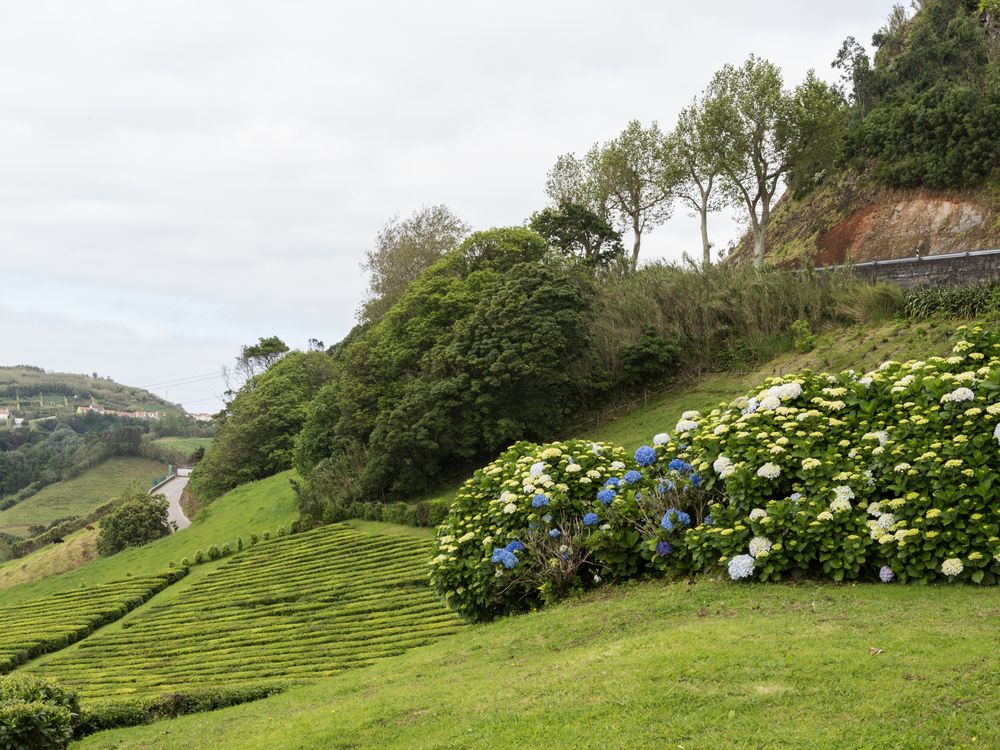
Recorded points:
39,626
286,611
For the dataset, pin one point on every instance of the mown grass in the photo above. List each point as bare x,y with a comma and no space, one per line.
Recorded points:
79,548
704,665
184,445
252,508
80,495
286,611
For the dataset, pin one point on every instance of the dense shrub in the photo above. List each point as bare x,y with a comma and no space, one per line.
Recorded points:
971,301
137,521
256,438
880,476
35,714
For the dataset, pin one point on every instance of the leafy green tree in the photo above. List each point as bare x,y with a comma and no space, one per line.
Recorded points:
256,358
695,154
139,520
403,250
820,115
577,232
628,181
257,437
752,119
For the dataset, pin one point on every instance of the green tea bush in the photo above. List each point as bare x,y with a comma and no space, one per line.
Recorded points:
36,714
214,552
199,557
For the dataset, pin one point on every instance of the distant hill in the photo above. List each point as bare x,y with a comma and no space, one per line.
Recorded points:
33,392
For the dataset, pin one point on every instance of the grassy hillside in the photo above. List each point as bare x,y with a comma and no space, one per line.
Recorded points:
80,495
289,610
184,445
706,665
77,549
34,392
253,508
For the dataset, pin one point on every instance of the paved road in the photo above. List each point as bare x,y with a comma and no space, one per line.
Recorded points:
173,490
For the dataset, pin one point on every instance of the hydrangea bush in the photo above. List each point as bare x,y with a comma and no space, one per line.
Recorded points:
882,476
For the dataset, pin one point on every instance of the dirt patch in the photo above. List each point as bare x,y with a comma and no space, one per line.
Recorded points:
834,246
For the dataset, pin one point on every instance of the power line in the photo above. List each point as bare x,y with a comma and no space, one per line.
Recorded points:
184,381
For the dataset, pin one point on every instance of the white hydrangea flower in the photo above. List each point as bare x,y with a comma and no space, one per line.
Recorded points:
825,516
996,432
881,435
617,465
721,429
721,464
959,394
808,464
952,567
741,566
769,471
751,406
886,520
759,545
573,468
843,492
874,509
901,468
728,471
661,439
770,403
691,415
510,508
840,504
686,425
537,468
757,513
866,381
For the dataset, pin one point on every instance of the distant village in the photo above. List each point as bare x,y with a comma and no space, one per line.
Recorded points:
7,418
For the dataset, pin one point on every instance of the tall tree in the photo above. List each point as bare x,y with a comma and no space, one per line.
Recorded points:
695,155
627,181
753,119
403,249
255,358
634,172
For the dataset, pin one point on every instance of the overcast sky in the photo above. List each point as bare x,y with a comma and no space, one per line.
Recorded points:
180,178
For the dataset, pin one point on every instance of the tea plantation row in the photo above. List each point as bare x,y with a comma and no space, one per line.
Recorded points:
39,626
291,610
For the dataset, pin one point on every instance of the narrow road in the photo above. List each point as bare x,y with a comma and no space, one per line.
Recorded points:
172,490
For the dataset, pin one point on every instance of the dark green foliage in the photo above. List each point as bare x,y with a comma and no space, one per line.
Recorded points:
34,725
199,557
954,302
256,438
214,553
928,111
137,521
577,232
804,340
101,715
651,360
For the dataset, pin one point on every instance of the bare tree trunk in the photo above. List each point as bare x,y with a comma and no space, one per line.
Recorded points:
635,245
760,236
706,248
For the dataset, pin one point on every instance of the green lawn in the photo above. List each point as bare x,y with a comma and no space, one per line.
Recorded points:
80,495
705,665
252,508
184,445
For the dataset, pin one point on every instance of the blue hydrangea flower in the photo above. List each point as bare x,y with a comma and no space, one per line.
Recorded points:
547,518
708,520
695,481
885,574
645,456
663,549
613,482
504,557
606,496
532,526
795,497
660,488
514,546
677,465
632,476
555,533
539,501
674,516
591,519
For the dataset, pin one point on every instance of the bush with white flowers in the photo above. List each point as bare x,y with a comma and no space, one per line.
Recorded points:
889,475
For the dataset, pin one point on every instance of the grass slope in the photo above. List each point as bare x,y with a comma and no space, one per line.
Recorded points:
80,495
78,549
705,665
252,508
41,392
289,610
184,445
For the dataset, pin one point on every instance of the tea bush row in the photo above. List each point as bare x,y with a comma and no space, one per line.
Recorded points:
294,609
